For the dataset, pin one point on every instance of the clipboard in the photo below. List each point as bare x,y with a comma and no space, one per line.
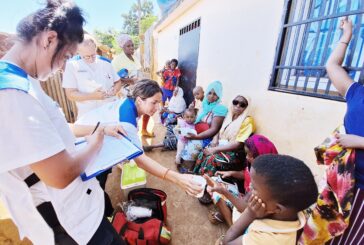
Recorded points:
113,151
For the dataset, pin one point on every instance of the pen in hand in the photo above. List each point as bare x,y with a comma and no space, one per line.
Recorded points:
97,125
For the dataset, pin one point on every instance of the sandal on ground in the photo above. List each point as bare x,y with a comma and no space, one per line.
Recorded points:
182,169
215,218
205,199
147,134
147,148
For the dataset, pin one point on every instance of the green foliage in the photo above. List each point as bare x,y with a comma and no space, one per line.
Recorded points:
131,18
108,38
147,22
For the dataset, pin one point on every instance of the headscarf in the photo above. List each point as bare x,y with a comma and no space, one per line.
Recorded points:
215,107
260,145
123,39
230,128
257,145
177,104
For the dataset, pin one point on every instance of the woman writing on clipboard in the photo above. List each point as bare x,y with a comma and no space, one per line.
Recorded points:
144,98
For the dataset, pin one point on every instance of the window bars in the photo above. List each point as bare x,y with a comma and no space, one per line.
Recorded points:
309,33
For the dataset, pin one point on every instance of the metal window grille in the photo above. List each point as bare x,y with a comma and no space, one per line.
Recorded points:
190,27
309,33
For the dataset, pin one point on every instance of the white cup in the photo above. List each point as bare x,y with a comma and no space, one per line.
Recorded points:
202,182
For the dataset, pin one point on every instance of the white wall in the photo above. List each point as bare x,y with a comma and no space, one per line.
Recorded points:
237,47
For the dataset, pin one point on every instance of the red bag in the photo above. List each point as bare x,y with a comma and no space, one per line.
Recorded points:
203,126
151,232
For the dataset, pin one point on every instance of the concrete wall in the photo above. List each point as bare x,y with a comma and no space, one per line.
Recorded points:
237,47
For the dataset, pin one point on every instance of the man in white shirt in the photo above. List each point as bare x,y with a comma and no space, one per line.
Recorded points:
90,80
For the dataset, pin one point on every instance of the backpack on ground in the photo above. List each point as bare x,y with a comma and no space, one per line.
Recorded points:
151,230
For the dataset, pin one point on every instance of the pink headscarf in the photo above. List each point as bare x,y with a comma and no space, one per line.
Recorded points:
257,145
260,145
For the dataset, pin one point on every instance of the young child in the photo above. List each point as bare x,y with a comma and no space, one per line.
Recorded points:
281,187
176,107
198,93
229,201
166,67
189,117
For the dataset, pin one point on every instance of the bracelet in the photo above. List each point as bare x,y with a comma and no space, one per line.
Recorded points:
347,44
165,174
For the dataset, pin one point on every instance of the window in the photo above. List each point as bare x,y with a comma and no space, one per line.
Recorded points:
309,33
190,27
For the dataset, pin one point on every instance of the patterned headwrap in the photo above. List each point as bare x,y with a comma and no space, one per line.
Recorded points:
123,39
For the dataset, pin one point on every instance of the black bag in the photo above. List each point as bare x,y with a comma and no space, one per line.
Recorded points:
150,198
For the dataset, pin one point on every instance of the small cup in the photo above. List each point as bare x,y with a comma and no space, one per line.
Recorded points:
200,180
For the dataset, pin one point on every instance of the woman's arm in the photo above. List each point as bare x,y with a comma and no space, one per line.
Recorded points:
156,169
74,95
61,169
214,129
224,148
336,72
234,174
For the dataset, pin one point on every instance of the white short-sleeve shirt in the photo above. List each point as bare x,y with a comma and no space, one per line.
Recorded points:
32,128
87,78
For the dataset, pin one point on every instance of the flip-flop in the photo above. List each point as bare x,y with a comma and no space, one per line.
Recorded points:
205,199
215,218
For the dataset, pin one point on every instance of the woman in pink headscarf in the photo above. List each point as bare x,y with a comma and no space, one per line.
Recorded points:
227,197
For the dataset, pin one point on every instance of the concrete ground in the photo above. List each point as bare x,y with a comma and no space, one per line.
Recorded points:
187,218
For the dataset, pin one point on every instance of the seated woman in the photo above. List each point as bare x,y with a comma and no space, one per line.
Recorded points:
228,200
227,147
207,124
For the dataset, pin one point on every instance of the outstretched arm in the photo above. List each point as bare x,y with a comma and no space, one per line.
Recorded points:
336,72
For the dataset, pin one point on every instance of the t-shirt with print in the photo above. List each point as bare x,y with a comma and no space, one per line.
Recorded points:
35,129
170,78
87,78
354,125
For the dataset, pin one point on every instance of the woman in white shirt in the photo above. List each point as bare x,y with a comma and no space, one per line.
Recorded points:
35,137
127,60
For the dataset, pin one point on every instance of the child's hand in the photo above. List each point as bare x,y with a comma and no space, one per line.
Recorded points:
349,140
257,207
218,187
213,186
224,174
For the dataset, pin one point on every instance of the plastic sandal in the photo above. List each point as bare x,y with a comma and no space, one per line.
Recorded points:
215,218
205,199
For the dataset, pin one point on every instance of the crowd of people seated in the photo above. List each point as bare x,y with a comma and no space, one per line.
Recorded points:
264,197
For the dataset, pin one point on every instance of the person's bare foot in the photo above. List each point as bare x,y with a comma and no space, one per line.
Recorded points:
147,134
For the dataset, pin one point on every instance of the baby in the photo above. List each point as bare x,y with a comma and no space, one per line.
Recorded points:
184,125
199,94
281,187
